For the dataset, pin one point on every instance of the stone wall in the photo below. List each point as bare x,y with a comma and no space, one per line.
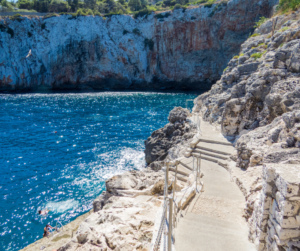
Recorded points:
275,223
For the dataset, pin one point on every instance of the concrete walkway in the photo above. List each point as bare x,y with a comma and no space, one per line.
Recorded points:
214,219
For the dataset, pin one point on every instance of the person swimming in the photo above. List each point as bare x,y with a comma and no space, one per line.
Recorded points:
44,212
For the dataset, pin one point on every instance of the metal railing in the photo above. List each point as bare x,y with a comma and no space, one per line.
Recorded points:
171,210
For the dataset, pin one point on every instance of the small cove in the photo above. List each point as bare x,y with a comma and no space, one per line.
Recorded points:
57,150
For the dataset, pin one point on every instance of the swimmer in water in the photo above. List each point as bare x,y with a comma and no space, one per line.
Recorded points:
44,212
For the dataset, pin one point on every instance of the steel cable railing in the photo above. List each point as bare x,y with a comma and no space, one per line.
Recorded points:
171,208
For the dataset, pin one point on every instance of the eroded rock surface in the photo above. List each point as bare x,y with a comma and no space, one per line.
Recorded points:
183,49
178,132
123,216
257,102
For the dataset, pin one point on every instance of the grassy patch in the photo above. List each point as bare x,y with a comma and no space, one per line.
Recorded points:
263,45
142,13
255,35
285,6
284,29
225,69
260,22
238,56
257,55
112,14
16,17
51,15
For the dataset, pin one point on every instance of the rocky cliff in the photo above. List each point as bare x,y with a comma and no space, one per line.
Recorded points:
257,99
183,49
256,103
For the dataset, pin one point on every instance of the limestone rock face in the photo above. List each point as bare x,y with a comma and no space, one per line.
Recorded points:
184,50
257,99
179,131
123,216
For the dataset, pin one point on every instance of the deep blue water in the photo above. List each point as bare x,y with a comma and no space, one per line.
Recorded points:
98,135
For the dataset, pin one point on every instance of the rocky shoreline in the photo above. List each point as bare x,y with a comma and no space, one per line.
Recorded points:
123,216
256,104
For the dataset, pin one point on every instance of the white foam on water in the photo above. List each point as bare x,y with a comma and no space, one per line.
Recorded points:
128,159
62,206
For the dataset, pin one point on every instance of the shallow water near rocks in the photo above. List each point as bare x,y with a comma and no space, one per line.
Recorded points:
57,150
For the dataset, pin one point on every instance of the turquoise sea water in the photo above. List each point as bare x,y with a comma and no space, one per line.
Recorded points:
57,150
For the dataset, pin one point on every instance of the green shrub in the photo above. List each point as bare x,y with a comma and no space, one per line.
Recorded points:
160,15
225,69
111,14
90,12
73,16
149,43
235,57
136,31
51,15
159,3
260,22
80,12
255,35
97,13
29,34
177,6
288,5
209,3
43,26
16,17
283,29
201,1
263,45
143,12
257,55
125,32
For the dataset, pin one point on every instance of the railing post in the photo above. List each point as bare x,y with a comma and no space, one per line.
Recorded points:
197,171
193,163
175,180
170,224
200,164
167,178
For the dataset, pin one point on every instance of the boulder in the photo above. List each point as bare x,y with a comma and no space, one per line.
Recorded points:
179,130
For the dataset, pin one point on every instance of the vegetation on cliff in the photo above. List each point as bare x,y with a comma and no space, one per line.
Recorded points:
95,7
